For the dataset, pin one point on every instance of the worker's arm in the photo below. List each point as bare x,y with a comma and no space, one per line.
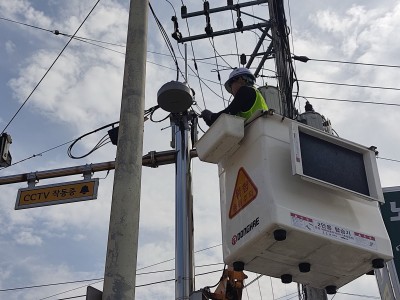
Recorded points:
243,101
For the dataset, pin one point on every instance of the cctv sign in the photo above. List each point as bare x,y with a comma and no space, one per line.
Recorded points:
59,193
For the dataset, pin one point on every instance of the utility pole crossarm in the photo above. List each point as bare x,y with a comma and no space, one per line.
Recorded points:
224,32
185,15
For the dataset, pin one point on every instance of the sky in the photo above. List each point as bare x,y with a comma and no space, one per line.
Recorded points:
82,92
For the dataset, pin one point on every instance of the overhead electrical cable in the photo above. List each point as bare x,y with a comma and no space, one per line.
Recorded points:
219,75
70,290
25,24
100,46
211,40
92,42
389,159
101,143
349,100
306,59
234,35
38,154
95,279
46,285
259,287
359,295
350,85
57,32
51,66
195,64
173,279
167,42
272,288
212,57
72,297
300,58
140,285
171,259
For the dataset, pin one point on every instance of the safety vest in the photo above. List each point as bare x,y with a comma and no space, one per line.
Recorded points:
259,104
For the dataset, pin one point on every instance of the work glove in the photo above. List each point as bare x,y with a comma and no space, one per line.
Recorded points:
206,115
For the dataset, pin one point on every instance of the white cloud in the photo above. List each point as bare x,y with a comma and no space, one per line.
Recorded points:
79,237
10,47
28,238
23,10
83,91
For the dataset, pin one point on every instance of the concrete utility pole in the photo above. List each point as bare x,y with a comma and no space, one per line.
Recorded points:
121,260
314,293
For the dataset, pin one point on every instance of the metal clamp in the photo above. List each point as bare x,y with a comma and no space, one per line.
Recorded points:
87,172
32,179
153,159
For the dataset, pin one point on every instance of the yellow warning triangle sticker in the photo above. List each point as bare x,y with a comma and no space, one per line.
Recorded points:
245,191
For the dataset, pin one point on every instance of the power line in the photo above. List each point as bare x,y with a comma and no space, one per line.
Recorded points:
39,154
195,63
351,85
91,41
349,100
46,285
300,58
51,66
72,297
100,279
155,264
259,287
57,32
74,289
359,295
156,282
25,24
167,42
389,159
141,285
305,59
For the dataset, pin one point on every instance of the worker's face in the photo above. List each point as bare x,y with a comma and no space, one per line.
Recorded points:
235,85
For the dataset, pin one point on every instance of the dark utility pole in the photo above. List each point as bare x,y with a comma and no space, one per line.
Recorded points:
281,50
284,68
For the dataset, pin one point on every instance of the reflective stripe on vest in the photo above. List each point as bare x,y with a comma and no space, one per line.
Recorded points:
259,104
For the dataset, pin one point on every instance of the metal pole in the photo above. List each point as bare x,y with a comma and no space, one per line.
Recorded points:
121,260
186,65
184,282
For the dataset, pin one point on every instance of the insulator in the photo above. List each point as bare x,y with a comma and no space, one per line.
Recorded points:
209,29
243,59
206,6
183,10
239,23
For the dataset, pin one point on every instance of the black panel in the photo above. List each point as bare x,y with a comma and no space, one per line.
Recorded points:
334,164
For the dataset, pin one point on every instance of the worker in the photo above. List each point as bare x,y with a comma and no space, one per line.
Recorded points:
247,99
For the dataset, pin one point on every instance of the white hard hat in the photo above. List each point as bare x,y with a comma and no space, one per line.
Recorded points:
238,72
